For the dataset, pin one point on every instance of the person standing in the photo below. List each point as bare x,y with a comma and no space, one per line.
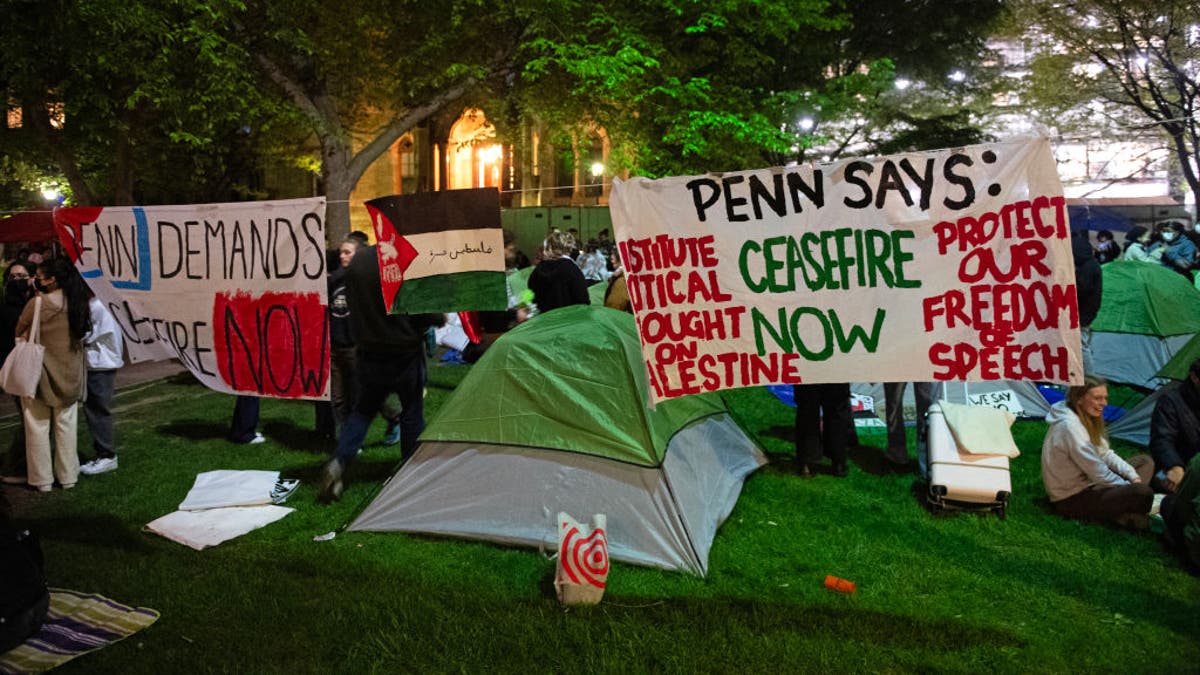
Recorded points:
243,428
64,321
823,424
343,380
103,346
897,439
18,289
1089,285
390,359
557,281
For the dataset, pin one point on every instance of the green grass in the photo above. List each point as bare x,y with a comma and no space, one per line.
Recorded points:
957,593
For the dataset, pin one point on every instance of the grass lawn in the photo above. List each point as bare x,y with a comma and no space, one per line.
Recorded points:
959,592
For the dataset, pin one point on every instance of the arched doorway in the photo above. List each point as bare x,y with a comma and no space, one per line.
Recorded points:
474,158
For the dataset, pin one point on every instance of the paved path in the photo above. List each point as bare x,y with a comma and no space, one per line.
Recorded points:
132,374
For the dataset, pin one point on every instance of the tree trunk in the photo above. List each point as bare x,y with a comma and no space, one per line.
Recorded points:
339,182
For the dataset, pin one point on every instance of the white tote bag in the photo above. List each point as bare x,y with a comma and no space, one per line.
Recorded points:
22,369
582,569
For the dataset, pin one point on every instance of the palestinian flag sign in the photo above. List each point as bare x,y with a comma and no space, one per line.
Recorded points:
440,251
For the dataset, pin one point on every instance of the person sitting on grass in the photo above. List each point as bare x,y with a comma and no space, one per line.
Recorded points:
1084,478
1175,428
1179,253
1181,512
1140,246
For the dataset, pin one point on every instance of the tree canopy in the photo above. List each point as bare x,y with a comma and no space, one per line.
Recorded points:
1125,68
684,86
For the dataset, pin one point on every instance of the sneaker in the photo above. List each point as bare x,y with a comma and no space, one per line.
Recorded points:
43,488
258,438
68,486
99,465
392,435
331,481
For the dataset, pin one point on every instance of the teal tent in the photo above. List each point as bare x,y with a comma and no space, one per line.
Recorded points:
554,417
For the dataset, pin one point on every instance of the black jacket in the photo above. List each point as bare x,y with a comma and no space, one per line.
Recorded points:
1088,278
1175,427
376,331
558,283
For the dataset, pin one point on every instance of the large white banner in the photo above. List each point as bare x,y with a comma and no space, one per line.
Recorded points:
946,265
236,291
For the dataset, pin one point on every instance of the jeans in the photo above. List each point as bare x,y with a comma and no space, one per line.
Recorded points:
97,409
897,444
379,375
245,419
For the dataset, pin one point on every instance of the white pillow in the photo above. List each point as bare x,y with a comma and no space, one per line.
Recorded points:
980,430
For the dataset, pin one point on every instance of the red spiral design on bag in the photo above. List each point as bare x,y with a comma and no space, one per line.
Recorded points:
585,559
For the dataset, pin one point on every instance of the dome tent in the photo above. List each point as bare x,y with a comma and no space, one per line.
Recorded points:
1147,314
553,418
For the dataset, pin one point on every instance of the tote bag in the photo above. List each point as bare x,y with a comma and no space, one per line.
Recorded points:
23,368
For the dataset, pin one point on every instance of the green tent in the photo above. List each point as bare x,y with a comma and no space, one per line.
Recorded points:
1147,314
1177,367
1146,330
1147,299
554,417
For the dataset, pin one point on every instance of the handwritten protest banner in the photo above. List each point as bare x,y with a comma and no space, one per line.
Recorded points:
947,265
236,292
440,251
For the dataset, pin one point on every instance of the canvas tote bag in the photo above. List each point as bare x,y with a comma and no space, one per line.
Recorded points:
23,368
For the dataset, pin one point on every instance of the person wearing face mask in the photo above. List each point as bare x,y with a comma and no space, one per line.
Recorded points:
1179,253
1084,478
17,291
65,321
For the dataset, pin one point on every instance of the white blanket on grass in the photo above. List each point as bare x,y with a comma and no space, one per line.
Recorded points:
222,488
201,529
224,504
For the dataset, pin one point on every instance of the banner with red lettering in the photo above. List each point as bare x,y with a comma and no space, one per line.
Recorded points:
236,291
943,265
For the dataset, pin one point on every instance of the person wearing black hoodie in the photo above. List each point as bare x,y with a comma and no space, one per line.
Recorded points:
18,289
1089,284
557,280
390,359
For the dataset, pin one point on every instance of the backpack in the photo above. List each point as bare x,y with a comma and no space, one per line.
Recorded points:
24,597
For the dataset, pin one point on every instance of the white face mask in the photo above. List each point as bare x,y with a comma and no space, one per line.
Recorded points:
1169,235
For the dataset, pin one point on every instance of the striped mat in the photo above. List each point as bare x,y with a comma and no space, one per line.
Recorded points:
76,623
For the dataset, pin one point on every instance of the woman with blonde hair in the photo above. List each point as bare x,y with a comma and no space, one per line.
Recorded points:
1084,478
557,281
64,320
